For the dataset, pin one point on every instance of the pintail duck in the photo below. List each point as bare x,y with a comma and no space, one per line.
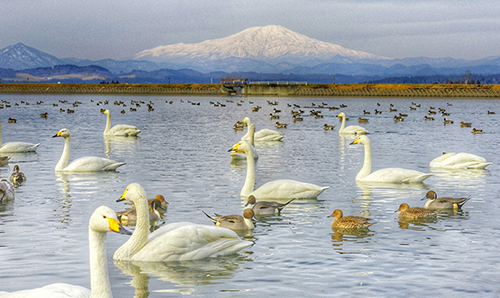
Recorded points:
17,177
407,212
349,222
465,124
234,222
265,207
447,121
156,211
477,131
6,190
434,202
328,127
361,120
280,125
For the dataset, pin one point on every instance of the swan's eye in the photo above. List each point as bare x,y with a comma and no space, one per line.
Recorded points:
104,216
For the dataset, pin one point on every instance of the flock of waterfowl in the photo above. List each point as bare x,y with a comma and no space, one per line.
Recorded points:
189,241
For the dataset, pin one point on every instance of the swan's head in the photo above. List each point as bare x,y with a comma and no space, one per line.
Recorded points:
104,220
246,121
241,147
62,133
341,115
134,193
363,140
337,213
106,112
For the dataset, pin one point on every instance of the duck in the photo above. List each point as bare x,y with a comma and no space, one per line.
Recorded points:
102,221
349,222
16,147
434,202
264,135
328,127
352,129
234,222
277,189
281,125
17,177
82,164
250,137
156,211
407,212
123,130
462,160
477,131
447,121
4,160
361,120
465,124
265,207
387,175
179,241
7,191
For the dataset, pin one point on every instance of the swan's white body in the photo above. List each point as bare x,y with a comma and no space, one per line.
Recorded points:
7,190
102,221
387,175
16,147
455,161
263,135
124,130
352,129
82,164
277,189
176,241
249,137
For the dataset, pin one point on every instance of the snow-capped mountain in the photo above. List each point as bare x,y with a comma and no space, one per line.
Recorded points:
20,56
270,44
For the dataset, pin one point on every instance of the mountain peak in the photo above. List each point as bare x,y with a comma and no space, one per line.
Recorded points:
272,44
21,56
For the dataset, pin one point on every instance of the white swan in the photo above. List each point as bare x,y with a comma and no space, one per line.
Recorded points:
102,221
249,137
16,147
263,135
455,161
387,175
176,241
350,130
82,164
278,189
124,130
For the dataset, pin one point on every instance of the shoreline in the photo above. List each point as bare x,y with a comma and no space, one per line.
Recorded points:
313,90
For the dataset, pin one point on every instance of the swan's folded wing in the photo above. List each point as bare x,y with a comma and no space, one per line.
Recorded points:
288,189
188,241
57,290
92,164
123,130
396,175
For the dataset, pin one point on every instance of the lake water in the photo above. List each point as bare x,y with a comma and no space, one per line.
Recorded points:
181,153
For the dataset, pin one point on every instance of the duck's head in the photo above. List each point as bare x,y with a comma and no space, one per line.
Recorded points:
251,200
431,195
104,220
248,213
403,207
337,213
62,133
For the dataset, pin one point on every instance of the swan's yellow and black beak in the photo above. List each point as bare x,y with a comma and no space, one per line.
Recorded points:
57,135
115,226
235,148
356,141
122,198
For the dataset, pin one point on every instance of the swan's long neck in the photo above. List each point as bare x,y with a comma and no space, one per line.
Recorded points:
63,161
342,126
367,164
249,185
140,236
99,279
108,123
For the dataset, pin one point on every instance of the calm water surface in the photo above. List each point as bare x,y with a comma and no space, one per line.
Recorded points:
182,154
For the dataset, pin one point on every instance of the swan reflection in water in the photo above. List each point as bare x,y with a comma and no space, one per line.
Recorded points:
182,273
120,144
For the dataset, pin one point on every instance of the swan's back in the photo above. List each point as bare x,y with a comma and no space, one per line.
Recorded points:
13,147
92,164
459,161
288,189
57,290
189,241
395,175
353,129
123,130
267,135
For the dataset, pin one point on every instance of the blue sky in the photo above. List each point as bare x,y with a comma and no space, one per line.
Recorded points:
91,29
